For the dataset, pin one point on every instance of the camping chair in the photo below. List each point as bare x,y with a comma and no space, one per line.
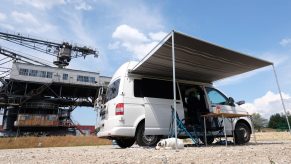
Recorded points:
181,128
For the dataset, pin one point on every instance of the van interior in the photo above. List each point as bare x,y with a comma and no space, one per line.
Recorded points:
195,105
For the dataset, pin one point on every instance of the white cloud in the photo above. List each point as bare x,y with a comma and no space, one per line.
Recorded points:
28,23
2,16
285,42
41,4
135,41
24,18
129,34
158,36
83,6
48,4
268,104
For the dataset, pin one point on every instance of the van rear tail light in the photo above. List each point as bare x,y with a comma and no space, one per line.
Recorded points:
119,109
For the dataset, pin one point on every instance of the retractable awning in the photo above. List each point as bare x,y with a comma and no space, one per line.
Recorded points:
179,56
195,60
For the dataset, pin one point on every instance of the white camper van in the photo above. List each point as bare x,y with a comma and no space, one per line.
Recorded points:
138,109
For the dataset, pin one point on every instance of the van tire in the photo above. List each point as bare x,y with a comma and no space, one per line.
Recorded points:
242,133
125,142
143,140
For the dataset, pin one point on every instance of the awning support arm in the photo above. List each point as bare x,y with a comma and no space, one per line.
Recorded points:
283,104
174,88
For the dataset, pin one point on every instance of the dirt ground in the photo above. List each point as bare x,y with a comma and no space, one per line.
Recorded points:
266,150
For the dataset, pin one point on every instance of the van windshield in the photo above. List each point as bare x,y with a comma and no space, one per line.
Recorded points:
112,90
216,97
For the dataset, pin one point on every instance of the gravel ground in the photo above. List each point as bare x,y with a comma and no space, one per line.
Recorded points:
262,152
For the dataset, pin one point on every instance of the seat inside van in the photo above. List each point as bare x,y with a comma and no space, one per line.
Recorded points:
194,103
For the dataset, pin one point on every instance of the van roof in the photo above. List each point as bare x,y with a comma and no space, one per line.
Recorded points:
195,60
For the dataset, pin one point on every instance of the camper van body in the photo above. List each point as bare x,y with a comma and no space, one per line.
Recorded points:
127,110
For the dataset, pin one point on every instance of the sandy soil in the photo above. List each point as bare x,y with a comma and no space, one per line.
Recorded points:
262,152
271,147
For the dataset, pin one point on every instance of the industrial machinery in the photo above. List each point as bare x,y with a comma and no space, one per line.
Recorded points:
63,51
36,98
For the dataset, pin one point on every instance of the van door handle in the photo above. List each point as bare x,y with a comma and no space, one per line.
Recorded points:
178,102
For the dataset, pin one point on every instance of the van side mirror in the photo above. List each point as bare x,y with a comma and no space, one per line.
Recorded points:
230,101
241,102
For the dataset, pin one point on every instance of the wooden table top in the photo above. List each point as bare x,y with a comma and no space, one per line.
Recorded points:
226,115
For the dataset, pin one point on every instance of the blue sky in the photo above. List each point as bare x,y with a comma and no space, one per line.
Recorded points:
126,30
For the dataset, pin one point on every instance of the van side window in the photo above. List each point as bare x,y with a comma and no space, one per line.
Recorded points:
154,88
112,90
216,97
138,88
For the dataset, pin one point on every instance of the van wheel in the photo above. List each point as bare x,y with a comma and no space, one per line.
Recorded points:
125,142
242,133
145,140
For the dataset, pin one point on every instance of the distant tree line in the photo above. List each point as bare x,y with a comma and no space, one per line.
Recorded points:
276,121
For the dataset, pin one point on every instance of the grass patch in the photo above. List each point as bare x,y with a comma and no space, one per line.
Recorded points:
54,141
273,136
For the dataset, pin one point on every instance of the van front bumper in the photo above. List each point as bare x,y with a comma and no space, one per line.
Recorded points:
117,132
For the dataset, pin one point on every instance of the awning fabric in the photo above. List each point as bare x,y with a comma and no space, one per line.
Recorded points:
195,60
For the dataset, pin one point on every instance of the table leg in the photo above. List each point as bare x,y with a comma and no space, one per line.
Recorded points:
224,130
231,121
254,133
205,132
